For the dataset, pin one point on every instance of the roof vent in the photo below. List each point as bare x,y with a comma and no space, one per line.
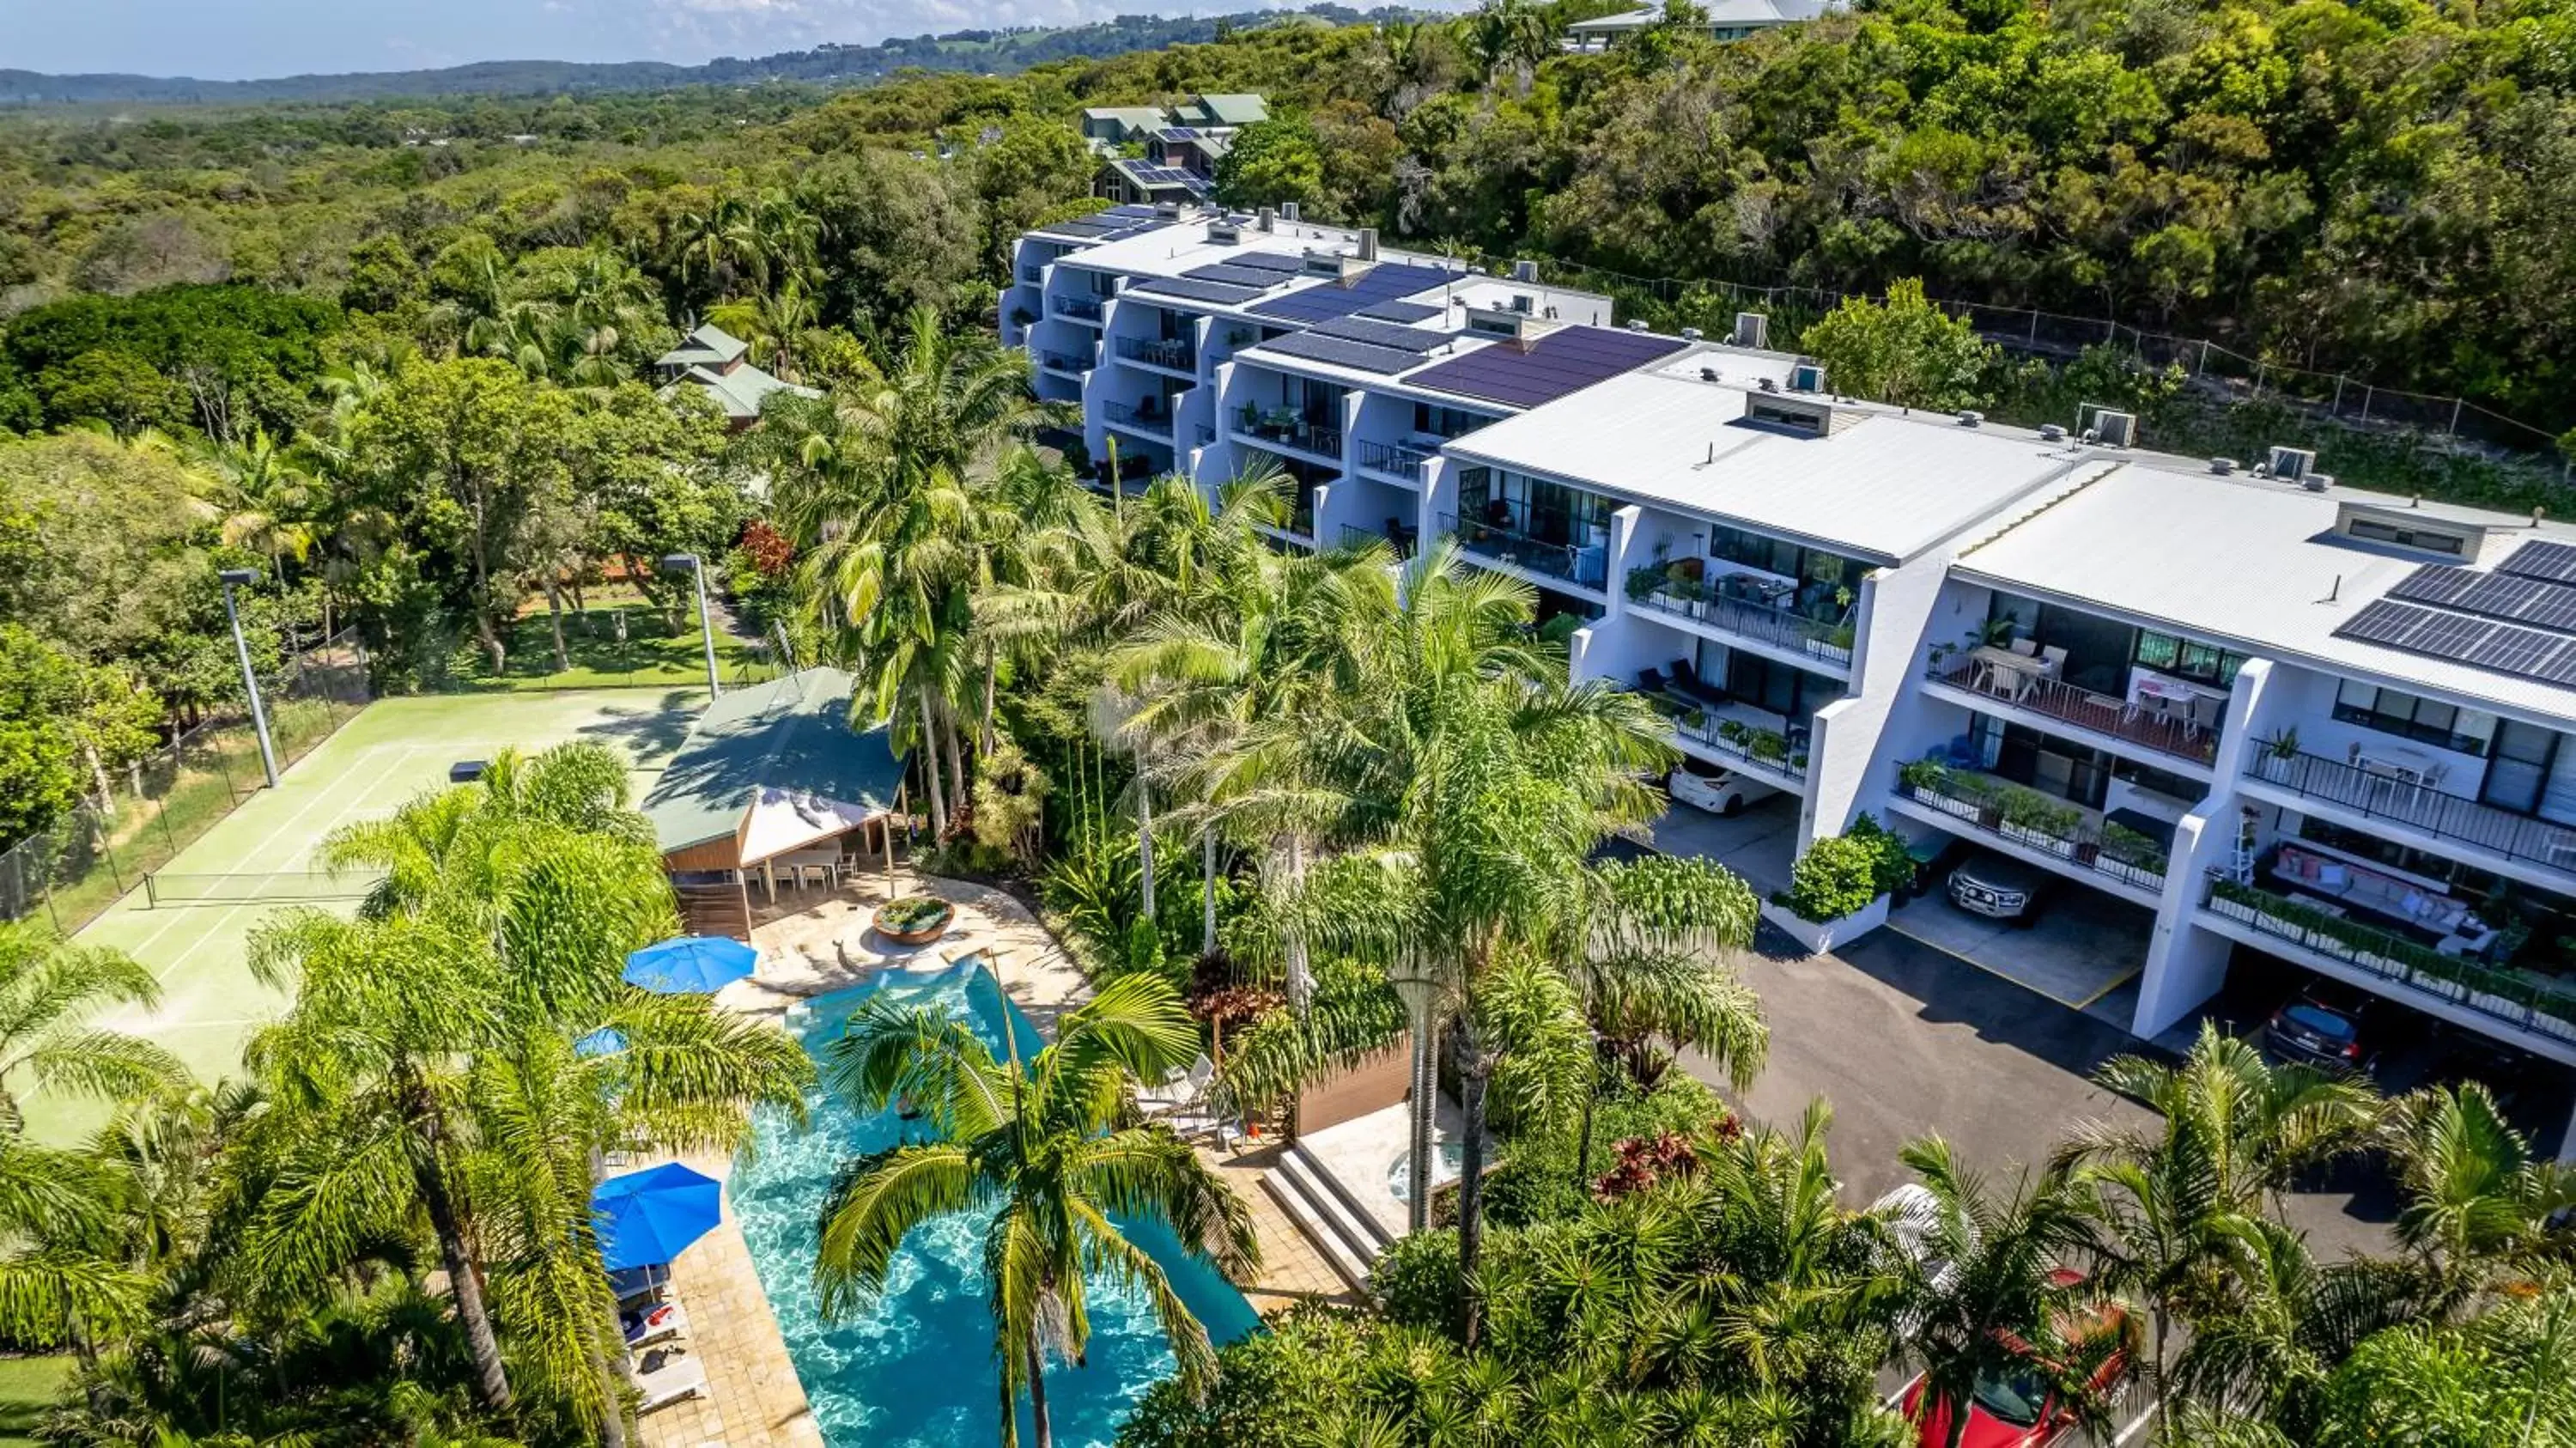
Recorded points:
1752,331
1634,325
1970,417
1692,334
1269,219
1767,384
1807,377
1224,233
2051,432
1525,271
2316,482
1368,243
2222,466
1708,374
2096,423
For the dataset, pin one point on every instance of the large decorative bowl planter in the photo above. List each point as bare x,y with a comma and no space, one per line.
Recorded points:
914,919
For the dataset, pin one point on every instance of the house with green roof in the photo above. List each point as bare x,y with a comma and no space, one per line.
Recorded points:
719,365
774,787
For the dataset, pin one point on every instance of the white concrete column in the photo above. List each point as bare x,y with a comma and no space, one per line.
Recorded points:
2185,964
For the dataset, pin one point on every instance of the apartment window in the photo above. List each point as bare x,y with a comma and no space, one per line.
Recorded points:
2392,711
1434,420
2158,781
2187,658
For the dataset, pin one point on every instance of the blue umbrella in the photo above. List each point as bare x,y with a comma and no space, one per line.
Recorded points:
647,1217
606,1041
690,964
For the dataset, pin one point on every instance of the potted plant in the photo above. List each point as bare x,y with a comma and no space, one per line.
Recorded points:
1835,891
1770,746
1695,721
2283,746
1642,583
1924,778
914,919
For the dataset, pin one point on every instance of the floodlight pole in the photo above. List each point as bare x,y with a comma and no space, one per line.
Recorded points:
706,620
250,677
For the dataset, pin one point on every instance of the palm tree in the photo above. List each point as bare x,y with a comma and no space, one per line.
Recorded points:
50,989
2480,1208
2283,1323
1990,1291
2176,1200
1044,1150
1508,34
264,497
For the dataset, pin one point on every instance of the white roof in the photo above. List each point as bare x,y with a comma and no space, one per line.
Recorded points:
2253,564
1882,486
1722,15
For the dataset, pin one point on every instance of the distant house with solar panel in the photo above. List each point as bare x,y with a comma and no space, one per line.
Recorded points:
1726,20
719,366
1180,146
2250,730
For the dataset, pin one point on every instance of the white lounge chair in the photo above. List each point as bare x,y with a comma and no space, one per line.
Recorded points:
1180,1091
674,1379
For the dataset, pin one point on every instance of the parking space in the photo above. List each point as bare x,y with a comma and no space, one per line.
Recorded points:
1757,843
2083,949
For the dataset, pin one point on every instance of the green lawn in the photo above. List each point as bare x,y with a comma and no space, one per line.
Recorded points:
28,1386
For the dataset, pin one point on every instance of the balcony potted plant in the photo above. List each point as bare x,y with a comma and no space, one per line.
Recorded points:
1927,780
1695,722
1770,746
1643,581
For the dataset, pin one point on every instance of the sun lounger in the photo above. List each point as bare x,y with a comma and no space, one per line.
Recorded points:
669,1381
1180,1091
653,1322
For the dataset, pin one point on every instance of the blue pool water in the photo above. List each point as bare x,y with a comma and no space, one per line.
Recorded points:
916,1370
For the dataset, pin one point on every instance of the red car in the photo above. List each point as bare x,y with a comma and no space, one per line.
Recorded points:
2023,1409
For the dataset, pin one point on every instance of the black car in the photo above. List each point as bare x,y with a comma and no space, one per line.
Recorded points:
2323,1025
1998,888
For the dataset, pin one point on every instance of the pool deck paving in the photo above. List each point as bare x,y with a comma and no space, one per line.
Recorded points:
815,941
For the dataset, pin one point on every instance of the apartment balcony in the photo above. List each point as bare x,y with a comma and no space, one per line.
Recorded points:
1202,433
1514,544
1153,422
1400,462
2066,838
2377,797
1072,364
2542,1008
2022,686
1401,541
1169,355
1033,275
1736,619
1087,310
1287,431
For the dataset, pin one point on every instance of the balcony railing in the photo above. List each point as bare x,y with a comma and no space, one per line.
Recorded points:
1176,355
1155,422
1291,431
1065,361
2083,708
1556,560
1081,309
1767,749
1396,460
1033,275
1203,432
1401,544
2452,816
1829,643
2518,998
2036,821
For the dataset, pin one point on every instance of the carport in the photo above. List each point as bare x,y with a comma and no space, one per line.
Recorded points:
1759,843
2084,950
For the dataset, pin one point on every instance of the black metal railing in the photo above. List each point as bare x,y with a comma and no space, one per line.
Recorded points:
1400,543
1155,421
1177,355
1290,431
2451,816
2037,821
1033,275
1507,531
1087,309
2101,713
1758,745
2534,1003
1396,460
1065,361
1779,628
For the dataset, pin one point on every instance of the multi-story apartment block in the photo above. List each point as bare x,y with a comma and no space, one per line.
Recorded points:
2283,720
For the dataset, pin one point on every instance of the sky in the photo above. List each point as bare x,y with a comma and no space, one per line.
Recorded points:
251,39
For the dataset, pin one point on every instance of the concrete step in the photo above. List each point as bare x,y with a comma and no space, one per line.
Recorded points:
1315,1211
1348,1205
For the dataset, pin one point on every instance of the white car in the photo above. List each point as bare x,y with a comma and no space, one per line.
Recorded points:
1719,791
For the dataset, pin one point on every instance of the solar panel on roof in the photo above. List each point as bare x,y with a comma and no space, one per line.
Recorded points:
2516,650
1197,291
1268,261
1562,362
2555,562
2496,595
2404,625
1383,282
1131,209
1400,311
1342,352
1235,276
1384,334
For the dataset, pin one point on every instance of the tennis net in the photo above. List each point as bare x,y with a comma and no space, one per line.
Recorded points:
167,887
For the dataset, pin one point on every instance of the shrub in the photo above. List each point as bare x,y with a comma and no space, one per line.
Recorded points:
913,912
1837,876
1540,1181
1416,1280
1925,774
1892,861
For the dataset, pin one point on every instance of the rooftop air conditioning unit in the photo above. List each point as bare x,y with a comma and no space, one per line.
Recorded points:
1807,377
2290,464
1269,219
1969,417
1523,304
1288,211
1368,243
1224,233
2096,423
1525,271
1167,211
1692,334
2316,482
1752,331
1635,325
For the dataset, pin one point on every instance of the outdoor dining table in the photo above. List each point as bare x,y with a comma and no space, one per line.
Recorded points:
2023,670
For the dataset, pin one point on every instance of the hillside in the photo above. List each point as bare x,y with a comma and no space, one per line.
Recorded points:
997,52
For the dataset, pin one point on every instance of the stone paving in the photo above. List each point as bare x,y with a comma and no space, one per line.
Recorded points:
816,941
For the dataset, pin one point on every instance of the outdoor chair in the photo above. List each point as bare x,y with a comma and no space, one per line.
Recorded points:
1179,1091
652,1322
666,1378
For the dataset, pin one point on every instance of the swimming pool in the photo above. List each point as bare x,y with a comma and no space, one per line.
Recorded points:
916,1370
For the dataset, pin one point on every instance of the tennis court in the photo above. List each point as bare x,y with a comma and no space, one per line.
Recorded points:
393,750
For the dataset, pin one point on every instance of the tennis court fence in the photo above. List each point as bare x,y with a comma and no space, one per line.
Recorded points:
159,804
175,887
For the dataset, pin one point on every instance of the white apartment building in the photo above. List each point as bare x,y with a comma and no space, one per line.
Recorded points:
2290,722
